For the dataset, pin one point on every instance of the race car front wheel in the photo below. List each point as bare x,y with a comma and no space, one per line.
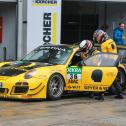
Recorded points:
55,87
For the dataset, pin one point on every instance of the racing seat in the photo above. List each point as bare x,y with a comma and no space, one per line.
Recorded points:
75,60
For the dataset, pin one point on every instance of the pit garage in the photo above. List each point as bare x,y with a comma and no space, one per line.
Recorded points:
81,17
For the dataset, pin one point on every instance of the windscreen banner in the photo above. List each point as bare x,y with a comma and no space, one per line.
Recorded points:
43,23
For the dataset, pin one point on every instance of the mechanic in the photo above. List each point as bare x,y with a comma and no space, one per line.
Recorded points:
107,45
86,48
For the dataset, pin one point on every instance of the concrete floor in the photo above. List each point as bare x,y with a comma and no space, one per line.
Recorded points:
69,111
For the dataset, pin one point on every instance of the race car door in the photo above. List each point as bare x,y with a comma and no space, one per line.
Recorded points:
99,71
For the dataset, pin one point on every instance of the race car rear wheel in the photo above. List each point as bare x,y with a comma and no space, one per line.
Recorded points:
55,87
121,78
119,83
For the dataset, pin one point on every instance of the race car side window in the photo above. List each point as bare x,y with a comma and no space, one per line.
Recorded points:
76,59
101,59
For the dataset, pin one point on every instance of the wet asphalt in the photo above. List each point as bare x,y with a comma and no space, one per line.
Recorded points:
69,111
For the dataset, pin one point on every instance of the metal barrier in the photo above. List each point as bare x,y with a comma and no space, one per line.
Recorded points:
4,53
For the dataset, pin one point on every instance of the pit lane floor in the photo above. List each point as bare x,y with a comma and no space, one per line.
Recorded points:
69,111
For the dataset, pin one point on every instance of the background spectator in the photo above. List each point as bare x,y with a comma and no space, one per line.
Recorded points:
118,34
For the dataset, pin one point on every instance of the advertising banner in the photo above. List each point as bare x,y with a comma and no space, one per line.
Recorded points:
43,23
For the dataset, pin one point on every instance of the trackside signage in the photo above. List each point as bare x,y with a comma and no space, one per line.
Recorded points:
44,22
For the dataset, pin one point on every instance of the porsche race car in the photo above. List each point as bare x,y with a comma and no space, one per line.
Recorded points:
50,70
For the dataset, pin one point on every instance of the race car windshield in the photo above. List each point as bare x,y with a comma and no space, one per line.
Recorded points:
49,54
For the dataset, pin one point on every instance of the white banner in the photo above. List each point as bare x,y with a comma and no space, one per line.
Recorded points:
44,23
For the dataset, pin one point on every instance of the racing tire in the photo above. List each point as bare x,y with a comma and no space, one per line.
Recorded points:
55,87
121,78
119,83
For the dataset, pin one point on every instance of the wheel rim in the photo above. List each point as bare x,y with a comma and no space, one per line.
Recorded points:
56,86
120,78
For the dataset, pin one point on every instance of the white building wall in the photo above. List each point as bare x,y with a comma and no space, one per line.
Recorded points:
8,0
9,31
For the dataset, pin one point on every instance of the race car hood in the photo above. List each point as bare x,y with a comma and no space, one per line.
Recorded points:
18,67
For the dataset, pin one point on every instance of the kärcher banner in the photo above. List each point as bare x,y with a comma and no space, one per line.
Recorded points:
43,23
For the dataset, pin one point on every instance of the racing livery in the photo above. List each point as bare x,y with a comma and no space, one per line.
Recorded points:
49,70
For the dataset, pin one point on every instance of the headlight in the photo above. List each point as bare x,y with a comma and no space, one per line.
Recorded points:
30,74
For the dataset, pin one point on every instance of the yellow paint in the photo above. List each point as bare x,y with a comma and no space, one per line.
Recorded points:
54,28
107,46
39,5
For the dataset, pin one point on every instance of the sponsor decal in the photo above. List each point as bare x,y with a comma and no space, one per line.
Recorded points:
49,27
53,47
95,88
73,87
74,74
54,28
44,23
45,2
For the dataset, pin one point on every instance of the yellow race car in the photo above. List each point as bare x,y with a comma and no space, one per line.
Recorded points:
50,70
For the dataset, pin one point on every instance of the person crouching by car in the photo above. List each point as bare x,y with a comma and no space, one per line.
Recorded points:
107,45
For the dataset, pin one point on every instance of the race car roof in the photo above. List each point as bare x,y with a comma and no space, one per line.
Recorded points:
61,45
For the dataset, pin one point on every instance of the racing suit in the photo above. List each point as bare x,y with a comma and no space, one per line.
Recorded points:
92,52
109,46
84,56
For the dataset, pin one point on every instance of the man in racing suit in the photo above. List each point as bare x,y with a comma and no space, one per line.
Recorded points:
107,45
86,48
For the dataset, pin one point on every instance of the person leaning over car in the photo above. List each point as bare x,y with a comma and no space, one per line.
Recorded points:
118,34
86,49
107,44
